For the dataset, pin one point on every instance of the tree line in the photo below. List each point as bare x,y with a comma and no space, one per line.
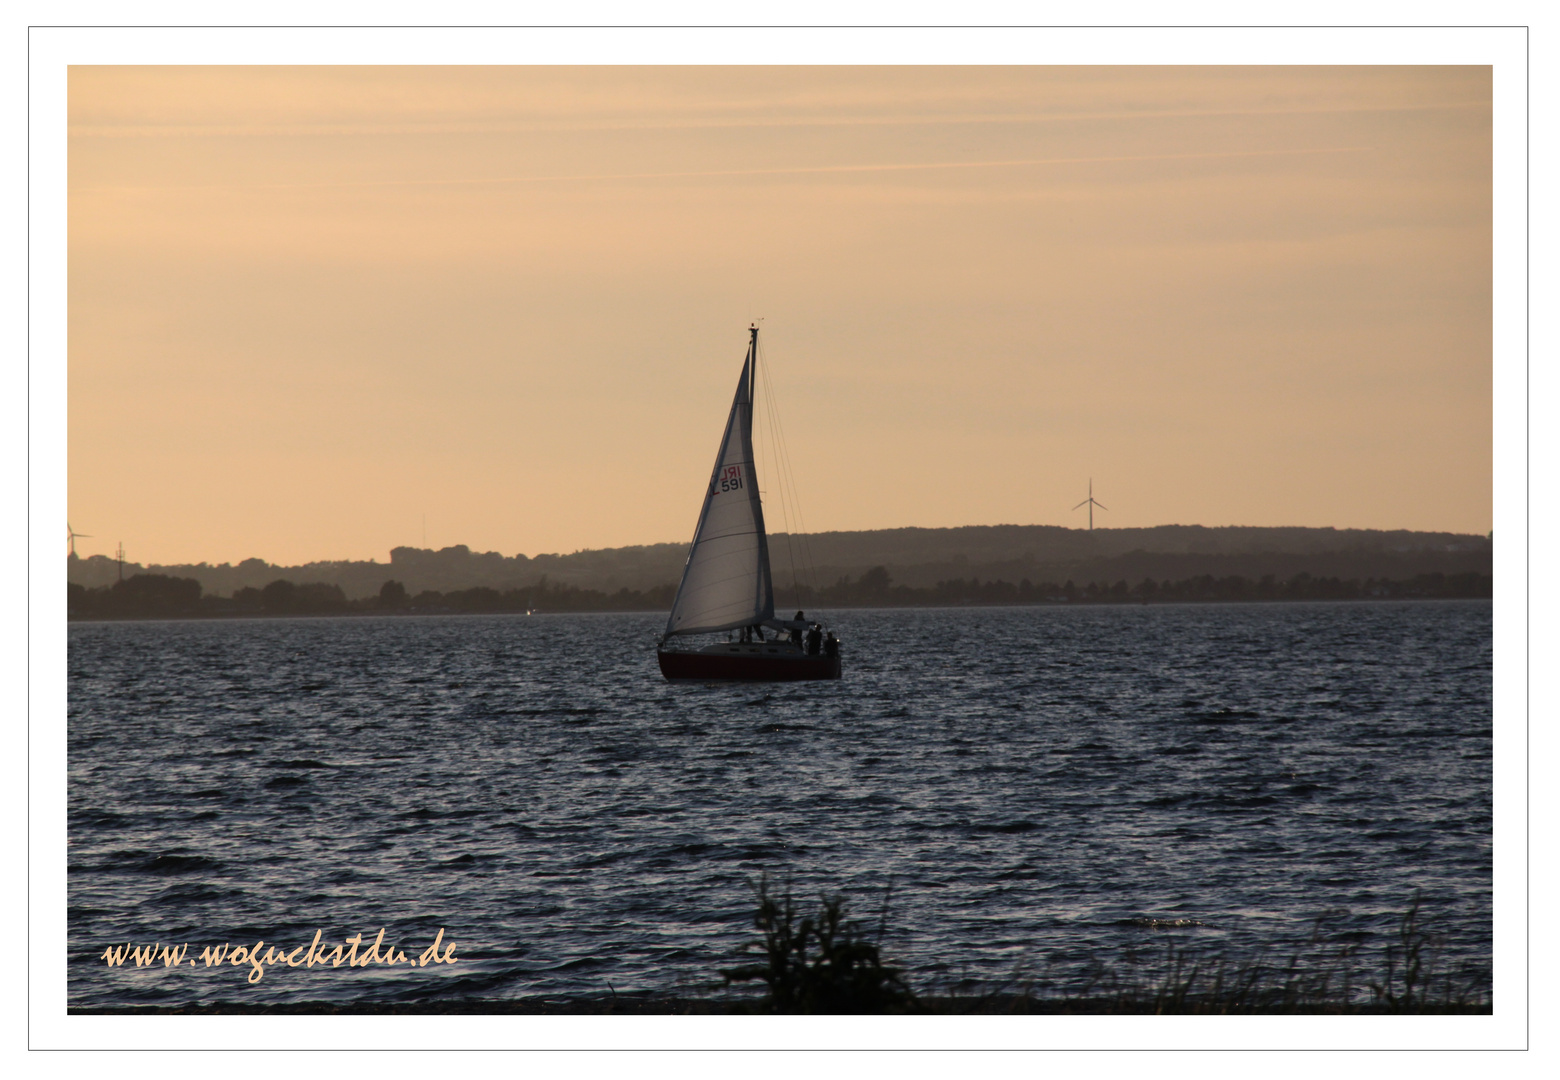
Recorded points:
162,596
876,588
153,596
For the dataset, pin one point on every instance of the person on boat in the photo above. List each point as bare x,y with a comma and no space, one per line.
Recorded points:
796,631
831,647
814,640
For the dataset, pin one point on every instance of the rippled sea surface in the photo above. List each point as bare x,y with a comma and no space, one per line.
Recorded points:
1043,788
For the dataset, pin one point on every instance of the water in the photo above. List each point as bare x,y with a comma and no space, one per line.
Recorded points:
1044,789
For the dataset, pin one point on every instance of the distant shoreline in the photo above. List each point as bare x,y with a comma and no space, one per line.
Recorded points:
446,613
917,558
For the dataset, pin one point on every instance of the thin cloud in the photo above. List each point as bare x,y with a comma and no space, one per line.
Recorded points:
800,170
512,127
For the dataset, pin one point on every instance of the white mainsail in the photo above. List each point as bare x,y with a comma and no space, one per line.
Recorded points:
726,582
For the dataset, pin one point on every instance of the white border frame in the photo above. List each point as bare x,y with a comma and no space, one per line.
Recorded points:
51,50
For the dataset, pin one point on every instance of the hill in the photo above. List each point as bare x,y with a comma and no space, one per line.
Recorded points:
919,558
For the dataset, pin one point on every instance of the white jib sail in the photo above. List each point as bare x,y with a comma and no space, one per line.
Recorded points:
726,581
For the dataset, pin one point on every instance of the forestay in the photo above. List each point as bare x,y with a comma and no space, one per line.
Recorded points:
726,581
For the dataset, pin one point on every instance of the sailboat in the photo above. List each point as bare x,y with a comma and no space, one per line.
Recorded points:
726,583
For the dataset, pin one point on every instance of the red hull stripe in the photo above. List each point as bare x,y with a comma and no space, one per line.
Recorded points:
710,667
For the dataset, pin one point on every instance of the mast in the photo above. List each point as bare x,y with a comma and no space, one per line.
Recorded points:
752,367
765,598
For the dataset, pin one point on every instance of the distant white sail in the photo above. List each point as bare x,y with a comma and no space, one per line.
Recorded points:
726,582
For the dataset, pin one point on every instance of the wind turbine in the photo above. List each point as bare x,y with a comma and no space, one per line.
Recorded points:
73,535
1091,504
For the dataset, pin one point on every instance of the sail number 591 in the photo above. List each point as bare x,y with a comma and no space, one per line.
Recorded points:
730,478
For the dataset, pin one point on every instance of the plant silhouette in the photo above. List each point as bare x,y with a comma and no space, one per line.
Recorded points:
820,963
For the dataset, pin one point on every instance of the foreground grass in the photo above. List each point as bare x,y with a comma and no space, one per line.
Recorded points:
826,963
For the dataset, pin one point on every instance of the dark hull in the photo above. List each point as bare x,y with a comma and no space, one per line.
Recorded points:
745,666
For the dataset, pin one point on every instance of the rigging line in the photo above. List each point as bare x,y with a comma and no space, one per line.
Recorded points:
790,477
805,542
762,417
808,562
773,425
799,533
780,486
791,502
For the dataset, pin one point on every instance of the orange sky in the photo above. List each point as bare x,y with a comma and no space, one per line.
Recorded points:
309,306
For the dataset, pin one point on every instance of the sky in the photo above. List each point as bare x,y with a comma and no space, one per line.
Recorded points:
317,313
